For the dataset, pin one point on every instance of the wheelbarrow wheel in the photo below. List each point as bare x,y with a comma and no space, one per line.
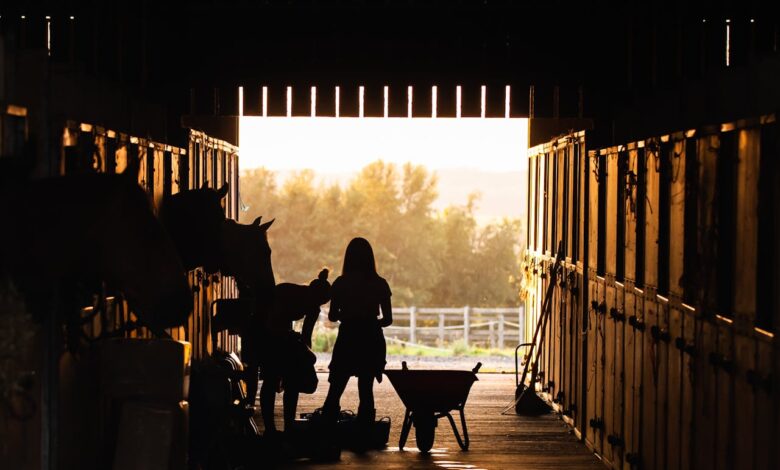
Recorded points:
424,431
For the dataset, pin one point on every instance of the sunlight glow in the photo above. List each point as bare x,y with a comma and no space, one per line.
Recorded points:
361,94
265,101
313,101
507,94
483,101
728,43
409,102
338,101
348,144
387,101
457,101
48,35
433,101
485,157
289,101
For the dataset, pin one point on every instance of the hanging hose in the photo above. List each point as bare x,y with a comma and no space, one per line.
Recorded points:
540,325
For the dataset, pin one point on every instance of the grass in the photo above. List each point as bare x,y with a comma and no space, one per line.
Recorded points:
458,349
323,340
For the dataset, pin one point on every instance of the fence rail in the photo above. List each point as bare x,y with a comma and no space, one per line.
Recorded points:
436,326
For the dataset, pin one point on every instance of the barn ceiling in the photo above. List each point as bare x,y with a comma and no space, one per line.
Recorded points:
213,42
610,51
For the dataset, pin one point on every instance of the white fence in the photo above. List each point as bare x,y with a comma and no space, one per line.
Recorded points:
435,326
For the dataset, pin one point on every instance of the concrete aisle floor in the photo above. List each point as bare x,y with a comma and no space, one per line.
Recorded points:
497,441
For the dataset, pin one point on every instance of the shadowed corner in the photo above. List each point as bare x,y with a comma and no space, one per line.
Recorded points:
633,151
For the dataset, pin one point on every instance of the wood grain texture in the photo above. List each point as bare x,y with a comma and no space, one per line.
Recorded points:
497,441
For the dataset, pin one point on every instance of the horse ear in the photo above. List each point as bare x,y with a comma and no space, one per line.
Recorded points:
222,192
205,185
266,225
257,220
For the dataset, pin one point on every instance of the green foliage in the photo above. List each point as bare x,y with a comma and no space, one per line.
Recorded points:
428,257
460,348
457,348
404,350
323,339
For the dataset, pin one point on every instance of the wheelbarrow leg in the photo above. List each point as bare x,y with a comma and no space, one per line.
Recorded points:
465,429
463,443
405,428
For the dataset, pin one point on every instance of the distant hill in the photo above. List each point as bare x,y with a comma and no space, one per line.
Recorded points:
501,194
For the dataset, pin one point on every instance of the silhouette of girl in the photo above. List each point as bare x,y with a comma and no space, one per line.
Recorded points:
356,299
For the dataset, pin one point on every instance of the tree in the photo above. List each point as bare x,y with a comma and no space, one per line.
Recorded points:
428,257
258,192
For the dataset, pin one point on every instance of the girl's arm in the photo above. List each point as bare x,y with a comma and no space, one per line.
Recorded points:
334,314
387,313
308,326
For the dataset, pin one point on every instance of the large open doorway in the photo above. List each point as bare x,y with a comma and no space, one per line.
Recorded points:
440,199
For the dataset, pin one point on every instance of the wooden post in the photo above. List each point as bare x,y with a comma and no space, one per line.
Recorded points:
500,330
412,324
441,328
491,332
466,323
521,323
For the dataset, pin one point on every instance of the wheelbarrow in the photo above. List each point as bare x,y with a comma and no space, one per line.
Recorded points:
430,395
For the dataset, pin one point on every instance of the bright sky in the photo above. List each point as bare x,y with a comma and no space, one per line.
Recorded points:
330,145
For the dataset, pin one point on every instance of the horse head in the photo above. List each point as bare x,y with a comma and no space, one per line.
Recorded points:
246,255
90,227
194,218
146,265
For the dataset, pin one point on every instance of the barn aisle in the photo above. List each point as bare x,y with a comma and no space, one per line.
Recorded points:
497,441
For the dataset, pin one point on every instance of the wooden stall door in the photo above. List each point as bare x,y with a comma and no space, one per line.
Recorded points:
705,403
748,164
596,296
651,359
582,228
618,420
610,331
631,339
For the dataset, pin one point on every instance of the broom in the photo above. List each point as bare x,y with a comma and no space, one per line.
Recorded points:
527,402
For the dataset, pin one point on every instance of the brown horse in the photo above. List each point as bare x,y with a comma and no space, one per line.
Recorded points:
92,228
194,220
246,255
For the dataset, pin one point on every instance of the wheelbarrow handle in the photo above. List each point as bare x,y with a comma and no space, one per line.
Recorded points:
477,367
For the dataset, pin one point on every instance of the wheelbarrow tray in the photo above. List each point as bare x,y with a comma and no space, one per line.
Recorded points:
428,396
438,391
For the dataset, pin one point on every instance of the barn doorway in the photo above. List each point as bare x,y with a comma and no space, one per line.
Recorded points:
441,199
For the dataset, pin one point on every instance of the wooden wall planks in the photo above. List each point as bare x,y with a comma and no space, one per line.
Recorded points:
163,170
647,364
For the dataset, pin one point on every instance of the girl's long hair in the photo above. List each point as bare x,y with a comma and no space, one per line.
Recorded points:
359,259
